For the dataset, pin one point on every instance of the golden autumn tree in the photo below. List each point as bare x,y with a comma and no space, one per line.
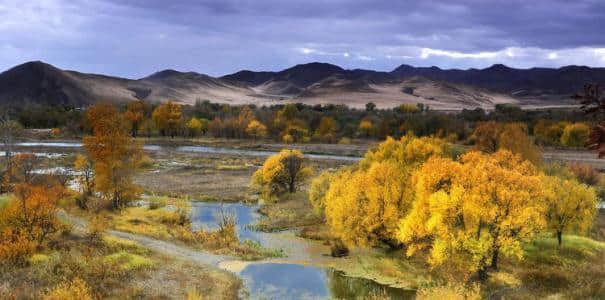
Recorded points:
575,135
194,127
487,136
327,129
363,205
514,138
366,127
571,206
134,115
490,137
167,117
282,172
115,155
85,179
318,189
469,212
33,210
256,129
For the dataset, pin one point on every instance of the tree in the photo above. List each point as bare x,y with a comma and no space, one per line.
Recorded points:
491,136
514,138
593,102
370,106
33,210
134,115
256,129
194,127
363,205
167,117
549,132
114,154
282,172
571,206
468,212
23,167
487,136
318,189
366,127
243,120
575,135
85,180
9,131
327,129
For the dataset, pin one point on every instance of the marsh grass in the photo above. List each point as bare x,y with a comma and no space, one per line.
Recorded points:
172,223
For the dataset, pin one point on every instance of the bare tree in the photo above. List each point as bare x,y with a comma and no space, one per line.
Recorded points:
593,103
9,131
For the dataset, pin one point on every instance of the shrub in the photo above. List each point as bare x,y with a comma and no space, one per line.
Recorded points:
450,292
97,228
575,135
318,189
157,202
128,261
194,294
15,247
76,289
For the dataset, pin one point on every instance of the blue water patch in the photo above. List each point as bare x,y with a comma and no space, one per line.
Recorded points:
285,281
207,215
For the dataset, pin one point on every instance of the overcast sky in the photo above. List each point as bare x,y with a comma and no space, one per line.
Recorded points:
138,37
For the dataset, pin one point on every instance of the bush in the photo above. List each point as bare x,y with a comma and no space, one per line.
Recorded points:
76,289
15,247
575,135
450,292
157,202
97,228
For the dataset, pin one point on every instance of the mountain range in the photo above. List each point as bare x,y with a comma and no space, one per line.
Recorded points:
312,83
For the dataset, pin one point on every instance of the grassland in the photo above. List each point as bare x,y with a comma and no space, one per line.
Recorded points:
113,268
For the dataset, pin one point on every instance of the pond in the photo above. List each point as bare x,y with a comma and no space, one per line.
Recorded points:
268,280
194,149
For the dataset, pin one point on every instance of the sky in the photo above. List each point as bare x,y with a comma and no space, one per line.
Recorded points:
134,38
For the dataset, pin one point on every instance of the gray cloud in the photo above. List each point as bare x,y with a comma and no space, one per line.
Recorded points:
137,37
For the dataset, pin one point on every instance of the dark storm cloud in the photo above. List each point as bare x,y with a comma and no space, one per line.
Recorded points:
134,38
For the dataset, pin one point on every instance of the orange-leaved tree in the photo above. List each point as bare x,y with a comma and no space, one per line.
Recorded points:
115,155
167,117
134,115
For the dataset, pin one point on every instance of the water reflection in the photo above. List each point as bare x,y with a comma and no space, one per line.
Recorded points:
290,281
205,215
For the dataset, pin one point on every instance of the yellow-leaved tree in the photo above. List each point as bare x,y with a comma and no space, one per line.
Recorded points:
115,155
468,212
256,129
134,116
363,205
282,172
492,136
167,117
85,179
571,206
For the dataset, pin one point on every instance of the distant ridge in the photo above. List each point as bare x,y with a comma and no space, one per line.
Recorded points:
313,83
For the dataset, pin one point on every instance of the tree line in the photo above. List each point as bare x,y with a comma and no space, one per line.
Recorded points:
299,123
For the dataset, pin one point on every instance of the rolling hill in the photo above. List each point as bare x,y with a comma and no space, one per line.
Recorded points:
312,83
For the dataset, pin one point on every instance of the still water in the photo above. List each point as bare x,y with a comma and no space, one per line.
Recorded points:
284,280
